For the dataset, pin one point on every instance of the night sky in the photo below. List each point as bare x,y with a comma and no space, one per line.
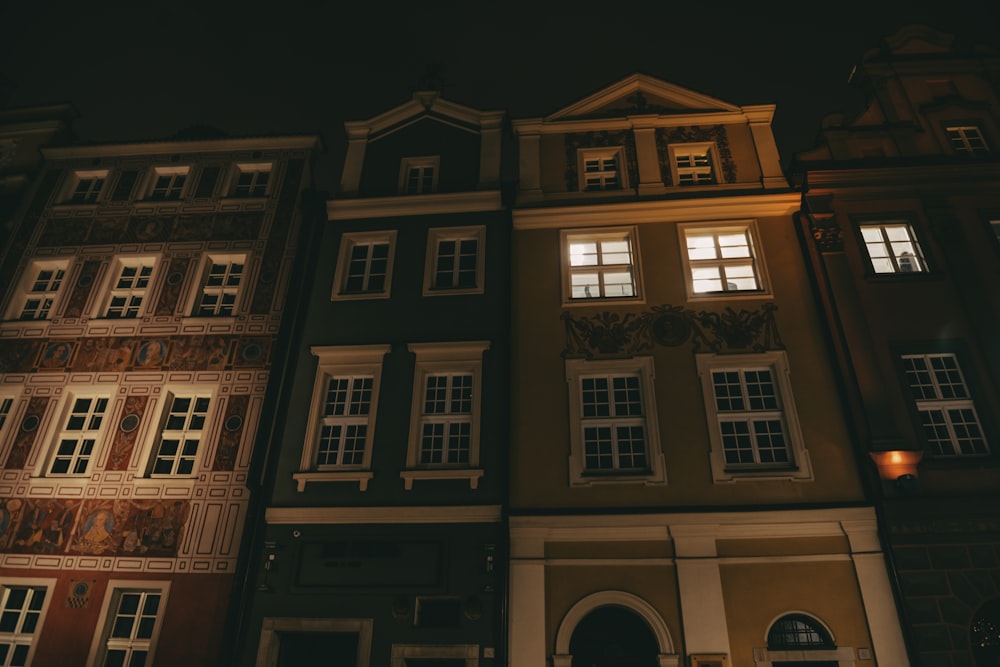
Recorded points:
144,70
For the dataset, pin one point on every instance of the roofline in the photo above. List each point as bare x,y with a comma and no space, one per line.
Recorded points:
310,141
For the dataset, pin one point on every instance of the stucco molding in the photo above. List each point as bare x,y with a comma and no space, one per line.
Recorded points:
398,205
382,515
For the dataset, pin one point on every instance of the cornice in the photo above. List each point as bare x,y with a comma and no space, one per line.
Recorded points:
546,126
383,515
663,210
951,174
185,147
430,204
423,102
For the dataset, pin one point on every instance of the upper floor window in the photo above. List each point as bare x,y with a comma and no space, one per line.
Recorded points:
693,164
797,632
40,287
947,412
601,169
85,186
600,264
220,286
129,285
967,140
131,624
252,180
454,260
722,260
22,610
6,405
181,434
168,183
364,267
78,435
419,175
892,248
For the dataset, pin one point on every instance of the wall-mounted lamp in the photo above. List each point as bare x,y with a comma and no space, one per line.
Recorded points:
898,465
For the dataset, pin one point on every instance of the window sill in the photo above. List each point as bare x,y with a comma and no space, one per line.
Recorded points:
736,295
359,296
453,291
762,474
362,477
617,477
471,474
603,300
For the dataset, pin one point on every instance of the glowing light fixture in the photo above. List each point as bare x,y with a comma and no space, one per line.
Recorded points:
897,464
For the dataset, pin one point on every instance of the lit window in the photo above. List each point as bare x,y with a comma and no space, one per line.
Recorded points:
892,248
753,426
601,169
77,440
183,426
967,140
693,164
946,409
722,260
168,183
86,186
40,287
22,610
447,400
613,431
220,286
252,180
132,620
454,260
128,287
600,265
418,175
343,412
364,268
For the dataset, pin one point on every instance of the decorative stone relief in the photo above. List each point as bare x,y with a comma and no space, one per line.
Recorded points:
605,139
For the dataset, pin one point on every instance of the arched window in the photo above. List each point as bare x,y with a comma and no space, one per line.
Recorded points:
798,632
613,636
985,634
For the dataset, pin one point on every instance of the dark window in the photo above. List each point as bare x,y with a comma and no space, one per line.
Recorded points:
797,632
123,189
613,637
206,184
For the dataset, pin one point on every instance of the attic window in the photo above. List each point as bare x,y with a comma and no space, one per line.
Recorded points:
601,169
967,140
419,175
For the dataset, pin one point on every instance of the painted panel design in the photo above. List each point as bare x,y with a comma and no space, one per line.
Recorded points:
263,293
126,432
171,293
232,432
36,526
129,527
26,434
81,290
149,229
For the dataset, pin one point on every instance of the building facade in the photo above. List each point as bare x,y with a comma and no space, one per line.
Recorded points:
383,540
683,489
143,291
901,213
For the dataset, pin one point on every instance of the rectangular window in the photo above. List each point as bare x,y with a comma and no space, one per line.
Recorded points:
343,434
168,183
967,140
252,180
418,175
40,288
181,435
6,405
753,426
364,267
947,413
892,248
22,610
128,287
85,187
454,260
722,260
132,620
601,169
600,265
77,440
693,164
220,286
444,426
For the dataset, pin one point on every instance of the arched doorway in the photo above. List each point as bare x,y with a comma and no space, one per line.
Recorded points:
985,635
613,636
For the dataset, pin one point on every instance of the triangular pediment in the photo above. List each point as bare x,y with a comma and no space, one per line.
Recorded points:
425,105
641,94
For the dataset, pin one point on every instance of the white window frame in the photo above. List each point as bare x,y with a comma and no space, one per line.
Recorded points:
445,359
346,361
643,368
348,241
202,287
799,467
109,610
756,259
16,638
967,139
174,192
432,162
914,264
25,292
97,180
619,174
272,629
8,406
255,169
939,403
568,237
60,426
689,150
437,235
206,434
111,290
467,652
